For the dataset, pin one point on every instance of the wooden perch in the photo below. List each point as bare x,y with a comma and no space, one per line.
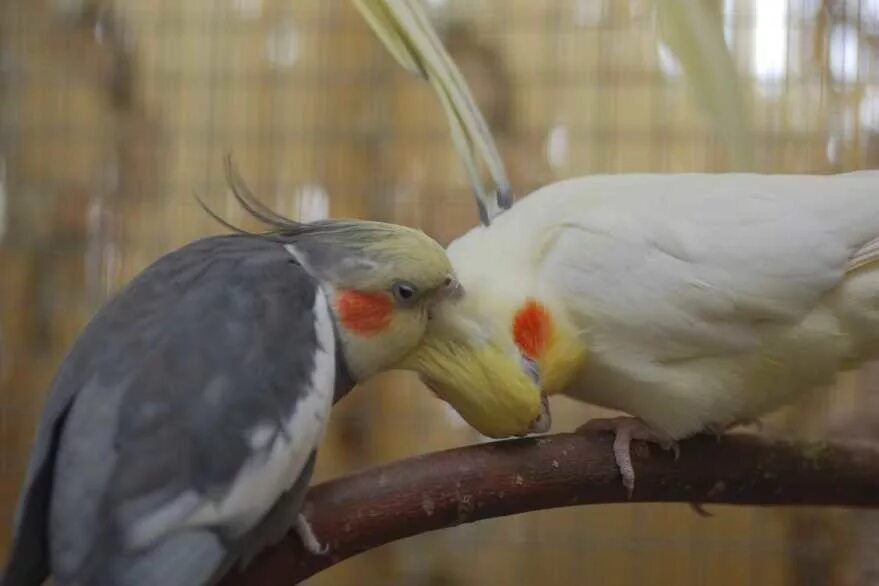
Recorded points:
363,511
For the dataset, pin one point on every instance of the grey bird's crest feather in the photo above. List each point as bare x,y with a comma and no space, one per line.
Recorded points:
341,252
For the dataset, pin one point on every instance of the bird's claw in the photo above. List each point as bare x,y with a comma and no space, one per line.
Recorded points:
308,538
700,510
719,429
626,429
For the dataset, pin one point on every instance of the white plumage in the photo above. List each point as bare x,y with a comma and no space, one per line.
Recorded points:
700,300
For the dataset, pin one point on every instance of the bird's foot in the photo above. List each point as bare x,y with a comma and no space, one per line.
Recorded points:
625,430
309,540
700,510
756,423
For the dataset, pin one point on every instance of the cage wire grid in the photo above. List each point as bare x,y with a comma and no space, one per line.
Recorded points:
113,114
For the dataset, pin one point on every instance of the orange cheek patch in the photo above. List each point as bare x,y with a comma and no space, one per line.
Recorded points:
364,313
532,329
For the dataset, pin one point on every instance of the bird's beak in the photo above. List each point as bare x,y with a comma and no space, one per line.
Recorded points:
544,420
451,291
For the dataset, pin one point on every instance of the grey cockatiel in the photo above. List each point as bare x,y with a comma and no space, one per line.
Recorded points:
181,430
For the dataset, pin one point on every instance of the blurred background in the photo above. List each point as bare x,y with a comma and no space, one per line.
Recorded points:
113,113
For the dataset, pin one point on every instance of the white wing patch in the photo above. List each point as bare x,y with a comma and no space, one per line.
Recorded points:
280,455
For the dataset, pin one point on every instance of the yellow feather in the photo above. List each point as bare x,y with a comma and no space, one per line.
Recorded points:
480,382
565,355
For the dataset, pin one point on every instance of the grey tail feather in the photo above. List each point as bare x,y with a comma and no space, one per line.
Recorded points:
29,557
187,558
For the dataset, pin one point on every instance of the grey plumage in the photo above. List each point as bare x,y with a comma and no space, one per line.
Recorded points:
179,434
155,409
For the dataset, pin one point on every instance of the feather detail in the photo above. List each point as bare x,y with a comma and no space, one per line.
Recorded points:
407,33
868,254
532,329
364,313
698,299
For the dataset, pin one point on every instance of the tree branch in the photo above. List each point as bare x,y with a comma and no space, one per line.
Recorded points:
363,511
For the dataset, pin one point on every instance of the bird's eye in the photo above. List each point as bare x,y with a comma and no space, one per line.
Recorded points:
404,291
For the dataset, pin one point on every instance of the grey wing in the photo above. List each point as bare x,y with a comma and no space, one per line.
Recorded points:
29,559
29,556
193,402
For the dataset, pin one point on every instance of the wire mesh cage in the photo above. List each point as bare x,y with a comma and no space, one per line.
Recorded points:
114,113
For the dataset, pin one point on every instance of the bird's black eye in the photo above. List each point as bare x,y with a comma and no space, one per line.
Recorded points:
404,291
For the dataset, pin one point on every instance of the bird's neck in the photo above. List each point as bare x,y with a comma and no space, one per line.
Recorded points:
542,332
563,357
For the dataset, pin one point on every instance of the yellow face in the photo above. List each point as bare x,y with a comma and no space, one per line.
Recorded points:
383,281
481,383
496,367
483,376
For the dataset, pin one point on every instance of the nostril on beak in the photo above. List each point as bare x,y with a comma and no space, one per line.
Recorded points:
451,290
456,290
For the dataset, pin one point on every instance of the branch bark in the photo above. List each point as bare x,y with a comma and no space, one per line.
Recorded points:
360,512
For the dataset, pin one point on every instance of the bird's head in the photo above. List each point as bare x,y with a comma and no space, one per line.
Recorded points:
493,365
490,368
383,280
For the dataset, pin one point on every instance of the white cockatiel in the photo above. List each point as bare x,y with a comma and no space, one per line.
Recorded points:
691,302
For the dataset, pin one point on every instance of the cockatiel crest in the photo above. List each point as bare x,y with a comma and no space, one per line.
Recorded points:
181,431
